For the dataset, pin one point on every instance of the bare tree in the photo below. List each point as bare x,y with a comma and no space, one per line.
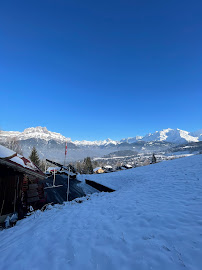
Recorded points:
146,162
79,166
14,144
42,165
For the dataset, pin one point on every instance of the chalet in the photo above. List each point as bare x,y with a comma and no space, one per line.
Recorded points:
20,185
128,166
98,170
108,168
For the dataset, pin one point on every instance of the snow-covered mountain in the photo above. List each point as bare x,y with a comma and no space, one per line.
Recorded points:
44,134
96,143
176,136
37,133
51,144
132,139
197,133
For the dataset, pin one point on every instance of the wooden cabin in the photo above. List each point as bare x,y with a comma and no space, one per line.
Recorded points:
20,184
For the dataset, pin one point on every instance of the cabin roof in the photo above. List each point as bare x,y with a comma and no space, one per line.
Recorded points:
128,165
18,162
96,169
108,167
53,168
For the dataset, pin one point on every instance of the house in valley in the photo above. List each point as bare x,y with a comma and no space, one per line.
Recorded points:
128,166
98,170
108,168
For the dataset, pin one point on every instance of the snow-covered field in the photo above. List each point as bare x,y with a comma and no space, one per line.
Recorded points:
152,221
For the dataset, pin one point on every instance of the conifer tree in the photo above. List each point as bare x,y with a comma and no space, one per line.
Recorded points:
88,168
153,159
34,157
78,167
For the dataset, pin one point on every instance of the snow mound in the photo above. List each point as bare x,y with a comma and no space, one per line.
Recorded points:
152,221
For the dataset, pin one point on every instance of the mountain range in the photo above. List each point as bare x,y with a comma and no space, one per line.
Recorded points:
51,144
177,136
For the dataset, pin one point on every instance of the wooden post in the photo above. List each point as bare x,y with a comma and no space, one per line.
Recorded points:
54,178
68,186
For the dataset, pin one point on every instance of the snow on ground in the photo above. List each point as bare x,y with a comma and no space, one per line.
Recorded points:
152,221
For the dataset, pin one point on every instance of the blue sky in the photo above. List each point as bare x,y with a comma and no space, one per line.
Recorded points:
99,69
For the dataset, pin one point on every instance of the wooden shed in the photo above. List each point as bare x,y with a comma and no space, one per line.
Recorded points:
20,185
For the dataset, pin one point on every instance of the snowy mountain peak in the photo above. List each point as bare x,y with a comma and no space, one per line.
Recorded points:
171,135
132,139
177,136
36,129
95,143
35,132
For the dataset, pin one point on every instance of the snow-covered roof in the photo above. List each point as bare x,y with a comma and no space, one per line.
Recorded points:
12,159
108,167
53,168
128,165
70,173
96,169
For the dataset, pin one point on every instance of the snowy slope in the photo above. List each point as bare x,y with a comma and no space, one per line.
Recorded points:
197,133
152,221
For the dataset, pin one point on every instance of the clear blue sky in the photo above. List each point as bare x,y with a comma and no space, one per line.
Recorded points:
99,69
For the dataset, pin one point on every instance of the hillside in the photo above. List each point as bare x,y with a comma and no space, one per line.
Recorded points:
152,221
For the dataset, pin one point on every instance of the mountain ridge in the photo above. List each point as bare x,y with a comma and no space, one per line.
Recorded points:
177,136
